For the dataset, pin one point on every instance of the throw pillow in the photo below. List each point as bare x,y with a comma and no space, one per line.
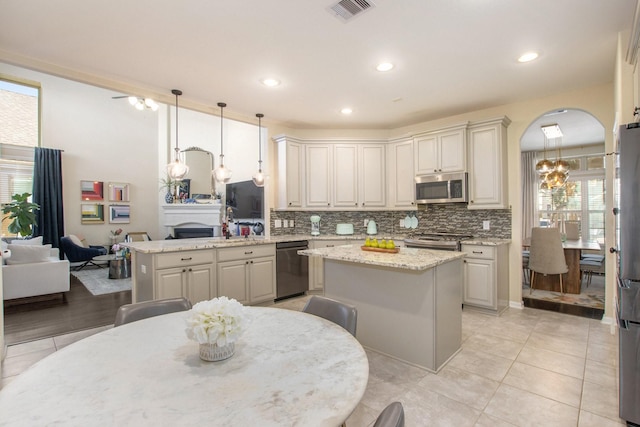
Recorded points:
76,240
36,241
25,254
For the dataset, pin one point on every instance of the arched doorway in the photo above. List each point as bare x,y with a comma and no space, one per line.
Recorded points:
576,206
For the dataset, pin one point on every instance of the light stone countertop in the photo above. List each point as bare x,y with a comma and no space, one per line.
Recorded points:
486,241
406,259
289,368
176,245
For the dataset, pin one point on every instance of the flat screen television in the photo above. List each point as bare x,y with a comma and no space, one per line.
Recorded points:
245,200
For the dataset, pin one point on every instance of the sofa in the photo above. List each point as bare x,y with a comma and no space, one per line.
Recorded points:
30,268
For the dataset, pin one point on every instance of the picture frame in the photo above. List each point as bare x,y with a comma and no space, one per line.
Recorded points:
119,214
92,213
92,190
184,189
118,192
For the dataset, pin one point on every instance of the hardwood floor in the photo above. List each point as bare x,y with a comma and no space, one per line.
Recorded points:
78,310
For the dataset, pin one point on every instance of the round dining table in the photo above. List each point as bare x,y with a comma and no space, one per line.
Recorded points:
289,369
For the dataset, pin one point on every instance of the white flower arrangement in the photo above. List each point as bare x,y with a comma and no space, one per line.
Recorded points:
218,321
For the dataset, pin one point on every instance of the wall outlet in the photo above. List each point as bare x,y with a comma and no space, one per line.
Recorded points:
291,223
366,222
402,223
285,223
486,225
143,269
277,223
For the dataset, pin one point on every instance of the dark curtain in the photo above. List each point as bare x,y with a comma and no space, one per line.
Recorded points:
47,192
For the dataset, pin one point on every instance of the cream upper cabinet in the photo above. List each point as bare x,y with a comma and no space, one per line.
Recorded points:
488,165
441,151
318,175
401,182
372,176
345,183
290,173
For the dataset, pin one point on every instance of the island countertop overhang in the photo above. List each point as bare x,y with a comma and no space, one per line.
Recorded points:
406,259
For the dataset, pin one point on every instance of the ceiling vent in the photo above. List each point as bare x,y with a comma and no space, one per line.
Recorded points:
347,9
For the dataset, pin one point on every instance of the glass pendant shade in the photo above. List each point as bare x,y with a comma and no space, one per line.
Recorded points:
221,173
177,169
544,185
543,167
258,177
562,166
556,179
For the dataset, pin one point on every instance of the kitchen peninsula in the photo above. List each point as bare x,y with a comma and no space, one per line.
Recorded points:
409,303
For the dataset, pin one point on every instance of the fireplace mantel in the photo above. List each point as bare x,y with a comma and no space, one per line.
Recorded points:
191,215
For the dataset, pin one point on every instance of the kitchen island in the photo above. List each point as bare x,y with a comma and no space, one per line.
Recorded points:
409,303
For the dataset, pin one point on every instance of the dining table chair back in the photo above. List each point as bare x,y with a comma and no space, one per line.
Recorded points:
133,312
391,416
546,254
342,314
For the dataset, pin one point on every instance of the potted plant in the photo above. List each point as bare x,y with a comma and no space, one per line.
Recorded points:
21,211
168,184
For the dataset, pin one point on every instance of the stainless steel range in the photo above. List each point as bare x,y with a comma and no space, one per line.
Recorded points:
444,241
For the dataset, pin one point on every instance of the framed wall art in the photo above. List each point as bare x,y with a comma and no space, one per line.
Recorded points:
118,192
92,213
92,190
119,214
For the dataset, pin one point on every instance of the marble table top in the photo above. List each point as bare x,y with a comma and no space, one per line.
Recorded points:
289,368
406,259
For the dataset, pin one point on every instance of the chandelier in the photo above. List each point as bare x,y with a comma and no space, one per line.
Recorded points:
552,174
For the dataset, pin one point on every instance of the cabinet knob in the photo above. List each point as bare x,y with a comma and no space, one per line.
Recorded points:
328,204
435,170
356,203
289,203
470,201
184,270
190,269
251,262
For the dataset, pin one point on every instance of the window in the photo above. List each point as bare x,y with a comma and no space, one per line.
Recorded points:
19,134
581,200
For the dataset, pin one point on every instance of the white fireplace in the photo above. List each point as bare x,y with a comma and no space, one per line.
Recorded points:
191,215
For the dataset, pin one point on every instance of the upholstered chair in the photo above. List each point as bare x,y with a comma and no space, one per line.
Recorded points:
335,311
391,416
77,252
133,312
546,255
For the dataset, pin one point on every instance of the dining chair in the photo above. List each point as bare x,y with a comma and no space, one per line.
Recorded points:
588,266
391,416
335,311
137,236
133,312
525,266
546,255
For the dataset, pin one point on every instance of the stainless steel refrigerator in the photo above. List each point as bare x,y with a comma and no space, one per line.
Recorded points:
628,254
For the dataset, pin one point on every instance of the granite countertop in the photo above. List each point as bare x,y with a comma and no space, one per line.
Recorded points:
406,259
486,241
176,245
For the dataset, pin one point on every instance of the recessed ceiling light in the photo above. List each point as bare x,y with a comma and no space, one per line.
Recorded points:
527,57
384,66
346,111
271,82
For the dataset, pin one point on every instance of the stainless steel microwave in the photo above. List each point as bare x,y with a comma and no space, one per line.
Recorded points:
442,188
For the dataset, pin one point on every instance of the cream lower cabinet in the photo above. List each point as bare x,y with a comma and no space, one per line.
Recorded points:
247,273
189,274
316,264
486,278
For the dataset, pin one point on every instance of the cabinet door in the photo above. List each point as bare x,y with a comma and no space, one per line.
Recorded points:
262,279
318,175
452,156
402,175
345,182
426,155
479,283
169,283
232,280
294,162
372,176
487,176
199,278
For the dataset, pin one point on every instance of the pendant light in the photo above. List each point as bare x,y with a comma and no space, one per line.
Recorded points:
258,177
177,169
544,166
222,174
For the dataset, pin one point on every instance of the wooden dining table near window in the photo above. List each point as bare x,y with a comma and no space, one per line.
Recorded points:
572,280
289,368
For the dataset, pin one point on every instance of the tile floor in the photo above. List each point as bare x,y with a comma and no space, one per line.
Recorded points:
525,368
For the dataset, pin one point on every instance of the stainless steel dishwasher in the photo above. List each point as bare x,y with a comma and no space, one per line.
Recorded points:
292,270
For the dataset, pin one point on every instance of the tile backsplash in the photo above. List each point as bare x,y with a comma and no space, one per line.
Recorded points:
455,218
